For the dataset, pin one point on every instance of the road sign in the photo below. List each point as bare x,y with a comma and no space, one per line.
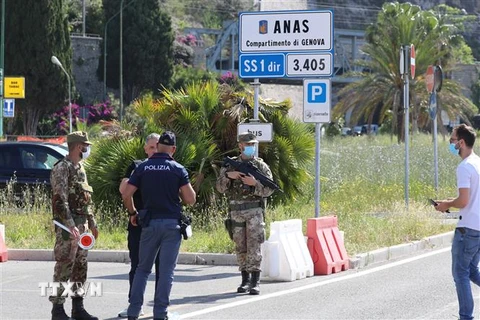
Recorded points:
14,87
262,65
412,61
430,78
316,100
309,64
263,131
8,108
286,31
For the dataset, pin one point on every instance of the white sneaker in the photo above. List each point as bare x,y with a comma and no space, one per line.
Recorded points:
124,313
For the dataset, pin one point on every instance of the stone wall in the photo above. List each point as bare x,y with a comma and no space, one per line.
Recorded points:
86,57
467,75
293,92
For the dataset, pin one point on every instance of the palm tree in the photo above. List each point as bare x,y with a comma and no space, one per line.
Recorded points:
381,88
204,116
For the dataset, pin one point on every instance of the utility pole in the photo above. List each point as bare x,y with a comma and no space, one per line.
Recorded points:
2,65
121,60
84,16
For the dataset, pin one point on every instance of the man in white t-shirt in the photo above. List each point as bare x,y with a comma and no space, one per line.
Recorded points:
466,240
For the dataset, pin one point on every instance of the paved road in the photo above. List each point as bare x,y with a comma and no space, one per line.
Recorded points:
419,287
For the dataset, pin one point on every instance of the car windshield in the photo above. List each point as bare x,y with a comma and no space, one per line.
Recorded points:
60,149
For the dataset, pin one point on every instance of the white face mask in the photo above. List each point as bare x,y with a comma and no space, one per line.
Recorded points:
86,154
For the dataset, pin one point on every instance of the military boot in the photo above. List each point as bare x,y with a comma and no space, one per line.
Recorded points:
79,312
245,285
58,312
255,283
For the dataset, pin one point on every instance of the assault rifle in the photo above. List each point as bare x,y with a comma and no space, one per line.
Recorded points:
249,168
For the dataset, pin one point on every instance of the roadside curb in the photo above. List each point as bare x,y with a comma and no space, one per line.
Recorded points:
357,262
389,253
122,256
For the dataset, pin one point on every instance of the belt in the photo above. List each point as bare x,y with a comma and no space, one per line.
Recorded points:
462,230
245,206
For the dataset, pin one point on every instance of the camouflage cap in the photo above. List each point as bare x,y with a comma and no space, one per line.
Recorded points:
78,136
247,137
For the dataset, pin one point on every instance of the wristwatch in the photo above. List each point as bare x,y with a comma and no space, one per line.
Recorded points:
134,213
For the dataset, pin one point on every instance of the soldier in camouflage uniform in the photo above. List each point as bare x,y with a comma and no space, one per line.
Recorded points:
246,197
71,204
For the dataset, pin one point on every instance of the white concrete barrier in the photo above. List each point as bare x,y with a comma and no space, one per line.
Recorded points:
285,254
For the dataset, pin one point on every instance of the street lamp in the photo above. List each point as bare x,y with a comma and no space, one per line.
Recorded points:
58,63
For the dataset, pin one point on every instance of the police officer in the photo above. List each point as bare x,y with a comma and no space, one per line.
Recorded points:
71,205
246,205
134,232
163,182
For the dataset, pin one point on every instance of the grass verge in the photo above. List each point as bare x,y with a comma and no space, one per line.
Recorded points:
362,183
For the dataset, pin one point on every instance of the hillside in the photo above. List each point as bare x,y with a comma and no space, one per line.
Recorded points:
348,14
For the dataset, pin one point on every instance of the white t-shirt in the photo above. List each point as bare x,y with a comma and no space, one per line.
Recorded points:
468,176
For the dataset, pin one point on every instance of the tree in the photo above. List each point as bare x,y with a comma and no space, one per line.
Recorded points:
204,116
32,36
93,17
436,36
147,47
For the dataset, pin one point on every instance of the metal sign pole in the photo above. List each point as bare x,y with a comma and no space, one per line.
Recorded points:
406,99
256,89
317,169
435,150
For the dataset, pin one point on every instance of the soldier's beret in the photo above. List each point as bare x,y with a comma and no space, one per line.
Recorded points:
247,137
78,136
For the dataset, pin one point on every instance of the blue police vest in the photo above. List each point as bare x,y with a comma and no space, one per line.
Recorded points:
159,180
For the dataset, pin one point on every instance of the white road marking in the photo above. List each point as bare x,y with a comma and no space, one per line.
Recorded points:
14,278
313,285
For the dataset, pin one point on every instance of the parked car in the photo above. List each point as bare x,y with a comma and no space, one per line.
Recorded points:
346,131
357,131
28,163
370,129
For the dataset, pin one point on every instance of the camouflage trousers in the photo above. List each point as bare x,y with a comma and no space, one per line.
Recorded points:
248,238
71,261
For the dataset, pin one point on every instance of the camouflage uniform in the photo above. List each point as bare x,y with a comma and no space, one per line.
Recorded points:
249,225
71,201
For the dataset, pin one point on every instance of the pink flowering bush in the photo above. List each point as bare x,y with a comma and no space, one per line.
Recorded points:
90,114
232,80
189,40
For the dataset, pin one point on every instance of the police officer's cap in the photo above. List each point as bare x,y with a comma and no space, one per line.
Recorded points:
167,138
247,137
78,136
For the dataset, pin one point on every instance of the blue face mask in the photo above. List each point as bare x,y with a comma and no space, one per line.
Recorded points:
452,149
249,151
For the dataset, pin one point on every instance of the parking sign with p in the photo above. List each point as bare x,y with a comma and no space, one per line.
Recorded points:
317,92
316,100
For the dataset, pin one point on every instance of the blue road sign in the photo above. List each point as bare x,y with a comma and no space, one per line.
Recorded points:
262,65
317,92
9,108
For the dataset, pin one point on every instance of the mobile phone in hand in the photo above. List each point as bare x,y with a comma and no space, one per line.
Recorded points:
434,203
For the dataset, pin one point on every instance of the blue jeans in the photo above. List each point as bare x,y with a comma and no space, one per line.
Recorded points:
162,236
465,258
133,238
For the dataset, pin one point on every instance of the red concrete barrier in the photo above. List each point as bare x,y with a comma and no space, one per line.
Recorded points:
326,246
3,250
